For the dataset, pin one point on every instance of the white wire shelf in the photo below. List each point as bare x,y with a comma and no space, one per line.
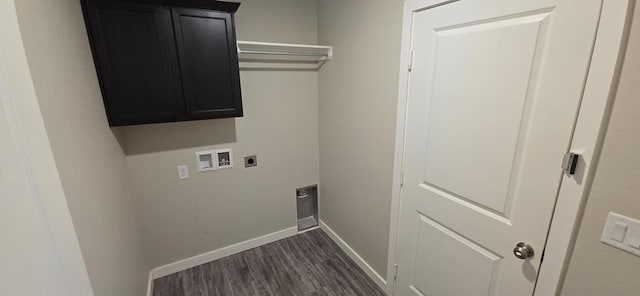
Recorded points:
260,55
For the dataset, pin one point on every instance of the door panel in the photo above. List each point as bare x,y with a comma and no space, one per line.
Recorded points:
445,250
492,98
472,106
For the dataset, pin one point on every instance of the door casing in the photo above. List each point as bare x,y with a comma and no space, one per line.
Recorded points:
593,117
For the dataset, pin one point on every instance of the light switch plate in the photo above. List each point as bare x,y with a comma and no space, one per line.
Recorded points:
183,172
623,233
619,231
634,239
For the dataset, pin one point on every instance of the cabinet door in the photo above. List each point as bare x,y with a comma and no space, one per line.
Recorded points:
134,49
208,63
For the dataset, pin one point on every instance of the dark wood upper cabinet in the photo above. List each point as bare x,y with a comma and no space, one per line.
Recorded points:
208,63
158,61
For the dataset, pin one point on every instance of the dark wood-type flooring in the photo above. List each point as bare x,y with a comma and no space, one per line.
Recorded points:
306,264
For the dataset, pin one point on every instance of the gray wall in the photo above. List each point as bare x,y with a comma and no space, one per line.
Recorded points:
90,162
595,268
358,97
180,219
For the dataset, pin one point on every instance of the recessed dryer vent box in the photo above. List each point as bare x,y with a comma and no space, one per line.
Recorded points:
307,206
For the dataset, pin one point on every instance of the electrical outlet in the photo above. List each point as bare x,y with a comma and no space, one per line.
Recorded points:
250,161
183,172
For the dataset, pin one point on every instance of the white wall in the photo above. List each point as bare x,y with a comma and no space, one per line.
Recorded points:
40,251
211,210
358,97
90,162
595,268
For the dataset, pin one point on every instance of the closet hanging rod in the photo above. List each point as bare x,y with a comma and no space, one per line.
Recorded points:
282,53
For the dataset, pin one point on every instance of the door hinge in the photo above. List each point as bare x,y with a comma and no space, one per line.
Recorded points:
395,275
410,66
570,163
402,177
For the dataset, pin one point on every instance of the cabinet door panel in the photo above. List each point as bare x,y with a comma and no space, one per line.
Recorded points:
136,59
208,63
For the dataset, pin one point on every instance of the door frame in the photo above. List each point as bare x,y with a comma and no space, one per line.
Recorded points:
591,124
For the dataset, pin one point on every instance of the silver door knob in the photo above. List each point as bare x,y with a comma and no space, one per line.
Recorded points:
523,251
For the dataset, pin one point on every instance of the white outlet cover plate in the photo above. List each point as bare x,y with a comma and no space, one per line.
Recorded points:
622,232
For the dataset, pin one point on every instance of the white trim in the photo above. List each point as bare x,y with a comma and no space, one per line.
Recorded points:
150,284
589,132
194,261
599,92
376,277
398,162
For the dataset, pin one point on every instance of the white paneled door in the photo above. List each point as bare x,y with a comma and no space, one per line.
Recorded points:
493,95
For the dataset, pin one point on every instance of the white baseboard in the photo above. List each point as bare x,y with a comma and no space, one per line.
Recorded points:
377,278
194,261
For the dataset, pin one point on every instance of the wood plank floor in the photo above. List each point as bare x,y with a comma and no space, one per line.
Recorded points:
306,264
